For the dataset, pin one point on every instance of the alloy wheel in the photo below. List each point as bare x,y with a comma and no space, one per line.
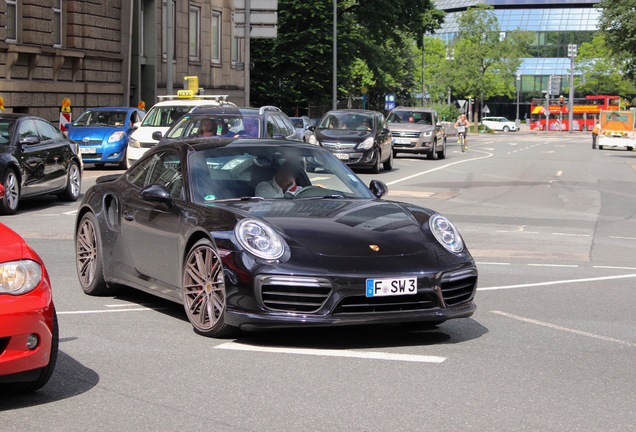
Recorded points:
86,252
204,288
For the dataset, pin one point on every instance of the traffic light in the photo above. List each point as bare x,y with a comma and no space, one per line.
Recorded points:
561,100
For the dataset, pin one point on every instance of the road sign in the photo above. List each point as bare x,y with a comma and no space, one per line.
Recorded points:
257,18
257,4
389,101
554,84
461,102
256,32
486,110
263,19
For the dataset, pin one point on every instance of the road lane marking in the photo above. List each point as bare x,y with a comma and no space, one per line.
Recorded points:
572,235
400,180
553,265
559,173
564,329
622,238
556,282
372,355
615,268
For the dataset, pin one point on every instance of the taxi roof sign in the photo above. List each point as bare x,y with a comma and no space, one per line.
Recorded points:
185,94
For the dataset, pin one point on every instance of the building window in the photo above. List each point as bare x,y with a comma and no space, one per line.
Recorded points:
216,37
235,50
57,23
194,48
12,21
164,29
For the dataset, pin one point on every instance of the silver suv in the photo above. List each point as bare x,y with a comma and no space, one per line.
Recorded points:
417,130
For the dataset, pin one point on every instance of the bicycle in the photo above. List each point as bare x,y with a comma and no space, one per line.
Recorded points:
461,138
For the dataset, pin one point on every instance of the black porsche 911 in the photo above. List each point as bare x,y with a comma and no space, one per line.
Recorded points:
264,233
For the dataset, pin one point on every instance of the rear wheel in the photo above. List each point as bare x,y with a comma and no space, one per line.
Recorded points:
9,202
203,288
73,183
88,257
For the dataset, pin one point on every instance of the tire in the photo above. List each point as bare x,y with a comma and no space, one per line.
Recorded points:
375,169
73,183
395,153
203,290
9,202
388,164
88,257
442,153
506,129
600,147
432,155
44,374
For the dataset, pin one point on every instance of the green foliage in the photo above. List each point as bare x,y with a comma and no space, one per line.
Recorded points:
485,63
601,73
618,24
375,50
446,112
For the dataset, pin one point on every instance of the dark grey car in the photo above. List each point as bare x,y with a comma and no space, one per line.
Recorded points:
417,130
359,138
36,159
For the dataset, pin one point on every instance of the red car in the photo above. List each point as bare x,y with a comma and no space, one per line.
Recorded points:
28,323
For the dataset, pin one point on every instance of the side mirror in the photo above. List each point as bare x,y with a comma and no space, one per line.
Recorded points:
156,193
156,135
312,128
31,139
378,188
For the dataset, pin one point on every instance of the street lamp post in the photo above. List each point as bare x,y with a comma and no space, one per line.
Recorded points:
334,94
450,56
517,121
571,53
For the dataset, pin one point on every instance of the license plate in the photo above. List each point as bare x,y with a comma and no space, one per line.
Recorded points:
391,287
342,156
89,150
402,141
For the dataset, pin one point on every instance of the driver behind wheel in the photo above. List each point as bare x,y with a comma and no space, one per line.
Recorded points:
284,181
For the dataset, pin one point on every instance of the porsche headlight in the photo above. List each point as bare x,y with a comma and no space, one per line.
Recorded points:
116,136
259,239
19,277
133,143
366,144
446,233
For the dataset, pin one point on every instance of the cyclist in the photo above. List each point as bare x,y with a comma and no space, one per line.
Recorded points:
462,124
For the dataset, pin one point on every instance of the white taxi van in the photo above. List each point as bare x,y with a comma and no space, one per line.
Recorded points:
164,114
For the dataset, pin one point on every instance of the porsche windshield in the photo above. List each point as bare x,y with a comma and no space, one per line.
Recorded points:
269,171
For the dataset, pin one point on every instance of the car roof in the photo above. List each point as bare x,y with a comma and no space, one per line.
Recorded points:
114,108
199,144
353,111
13,116
419,109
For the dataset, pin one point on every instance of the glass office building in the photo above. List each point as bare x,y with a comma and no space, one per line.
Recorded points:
555,24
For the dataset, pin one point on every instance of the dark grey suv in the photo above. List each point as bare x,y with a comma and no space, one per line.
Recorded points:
231,122
417,130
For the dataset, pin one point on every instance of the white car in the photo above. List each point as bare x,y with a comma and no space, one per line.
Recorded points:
500,124
161,116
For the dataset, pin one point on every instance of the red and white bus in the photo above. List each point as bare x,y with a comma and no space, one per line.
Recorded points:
585,112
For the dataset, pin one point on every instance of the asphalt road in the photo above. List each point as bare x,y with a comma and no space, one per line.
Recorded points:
552,346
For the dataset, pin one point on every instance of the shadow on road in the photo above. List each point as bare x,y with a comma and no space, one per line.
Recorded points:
70,378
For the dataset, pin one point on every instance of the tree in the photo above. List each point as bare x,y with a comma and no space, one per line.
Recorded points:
600,72
375,50
618,24
486,60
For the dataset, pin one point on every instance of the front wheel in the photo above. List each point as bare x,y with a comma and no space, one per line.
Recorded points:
375,169
73,183
506,129
442,153
388,164
9,202
432,155
88,256
203,288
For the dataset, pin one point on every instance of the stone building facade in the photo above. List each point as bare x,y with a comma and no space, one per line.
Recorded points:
113,52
